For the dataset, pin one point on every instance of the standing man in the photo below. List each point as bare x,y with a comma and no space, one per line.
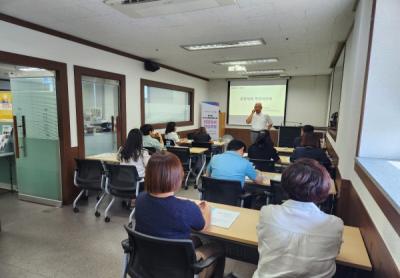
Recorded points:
259,122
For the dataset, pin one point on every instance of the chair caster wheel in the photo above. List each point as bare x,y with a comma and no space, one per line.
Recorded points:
76,210
85,198
107,219
97,214
186,188
195,186
98,198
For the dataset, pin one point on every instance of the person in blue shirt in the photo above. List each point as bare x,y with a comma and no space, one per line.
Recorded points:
232,166
159,213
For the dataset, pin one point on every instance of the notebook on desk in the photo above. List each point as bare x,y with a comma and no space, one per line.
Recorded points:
223,218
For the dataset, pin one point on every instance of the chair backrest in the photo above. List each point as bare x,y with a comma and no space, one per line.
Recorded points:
263,164
221,191
160,257
169,142
207,145
279,194
183,153
89,174
151,150
121,180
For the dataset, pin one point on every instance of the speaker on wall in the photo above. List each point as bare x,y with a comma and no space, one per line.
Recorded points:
151,66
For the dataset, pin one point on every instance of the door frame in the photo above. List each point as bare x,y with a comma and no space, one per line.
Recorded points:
67,154
78,73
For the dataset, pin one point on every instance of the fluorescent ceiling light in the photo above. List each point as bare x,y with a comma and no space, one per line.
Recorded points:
271,71
221,45
248,62
237,68
29,69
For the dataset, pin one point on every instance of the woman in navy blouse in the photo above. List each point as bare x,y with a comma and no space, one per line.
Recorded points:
159,213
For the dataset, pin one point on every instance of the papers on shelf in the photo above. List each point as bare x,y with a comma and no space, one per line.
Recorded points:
223,218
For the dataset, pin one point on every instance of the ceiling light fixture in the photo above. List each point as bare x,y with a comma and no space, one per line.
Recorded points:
248,62
221,45
271,71
237,68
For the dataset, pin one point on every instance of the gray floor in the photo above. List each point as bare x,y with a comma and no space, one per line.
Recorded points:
41,241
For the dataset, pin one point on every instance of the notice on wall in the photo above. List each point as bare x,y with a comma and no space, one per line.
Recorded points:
6,114
210,118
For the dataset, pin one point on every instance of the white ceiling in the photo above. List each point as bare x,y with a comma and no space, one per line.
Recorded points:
303,34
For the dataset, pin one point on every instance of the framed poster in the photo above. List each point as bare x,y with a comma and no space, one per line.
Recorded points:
6,114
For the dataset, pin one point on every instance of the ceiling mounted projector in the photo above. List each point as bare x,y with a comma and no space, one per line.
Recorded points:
150,8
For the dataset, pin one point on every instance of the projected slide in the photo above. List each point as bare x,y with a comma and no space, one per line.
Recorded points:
244,94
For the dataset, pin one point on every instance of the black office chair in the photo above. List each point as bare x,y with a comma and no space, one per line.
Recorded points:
263,164
222,191
279,194
148,256
122,181
183,153
169,142
88,175
151,150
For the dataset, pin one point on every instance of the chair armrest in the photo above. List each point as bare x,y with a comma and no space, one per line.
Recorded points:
202,264
245,195
126,246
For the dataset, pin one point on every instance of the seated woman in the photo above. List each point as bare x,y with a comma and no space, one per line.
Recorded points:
170,132
159,213
297,239
133,153
263,148
201,136
310,149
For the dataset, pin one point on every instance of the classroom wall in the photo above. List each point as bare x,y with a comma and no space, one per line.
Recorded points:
347,134
306,102
382,102
25,41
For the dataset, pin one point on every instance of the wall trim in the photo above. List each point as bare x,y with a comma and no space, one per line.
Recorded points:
49,31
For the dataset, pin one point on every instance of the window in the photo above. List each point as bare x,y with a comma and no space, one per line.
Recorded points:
162,103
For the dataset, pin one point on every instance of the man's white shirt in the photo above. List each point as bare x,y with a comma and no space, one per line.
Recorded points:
260,121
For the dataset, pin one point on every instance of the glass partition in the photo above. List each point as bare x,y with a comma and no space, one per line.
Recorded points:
100,98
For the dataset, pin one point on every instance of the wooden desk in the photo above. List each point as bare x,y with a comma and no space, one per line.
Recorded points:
352,252
277,177
106,157
195,150
285,160
285,150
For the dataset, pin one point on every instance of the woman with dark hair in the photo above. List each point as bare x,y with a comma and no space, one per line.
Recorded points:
159,213
133,153
170,132
310,148
297,239
263,148
201,135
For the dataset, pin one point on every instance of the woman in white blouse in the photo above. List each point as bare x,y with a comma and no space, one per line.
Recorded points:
296,239
170,132
133,153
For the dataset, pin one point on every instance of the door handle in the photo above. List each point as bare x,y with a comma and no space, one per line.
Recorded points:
23,126
112,123
15,127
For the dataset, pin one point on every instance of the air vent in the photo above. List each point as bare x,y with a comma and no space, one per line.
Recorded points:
151,8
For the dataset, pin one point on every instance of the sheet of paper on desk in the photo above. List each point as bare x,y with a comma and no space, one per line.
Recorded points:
395,164
223,218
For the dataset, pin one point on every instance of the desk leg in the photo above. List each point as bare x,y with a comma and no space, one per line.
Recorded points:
204,160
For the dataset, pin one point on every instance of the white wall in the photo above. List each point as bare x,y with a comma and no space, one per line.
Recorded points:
350,109
24,41
382,103
307,99
306,103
